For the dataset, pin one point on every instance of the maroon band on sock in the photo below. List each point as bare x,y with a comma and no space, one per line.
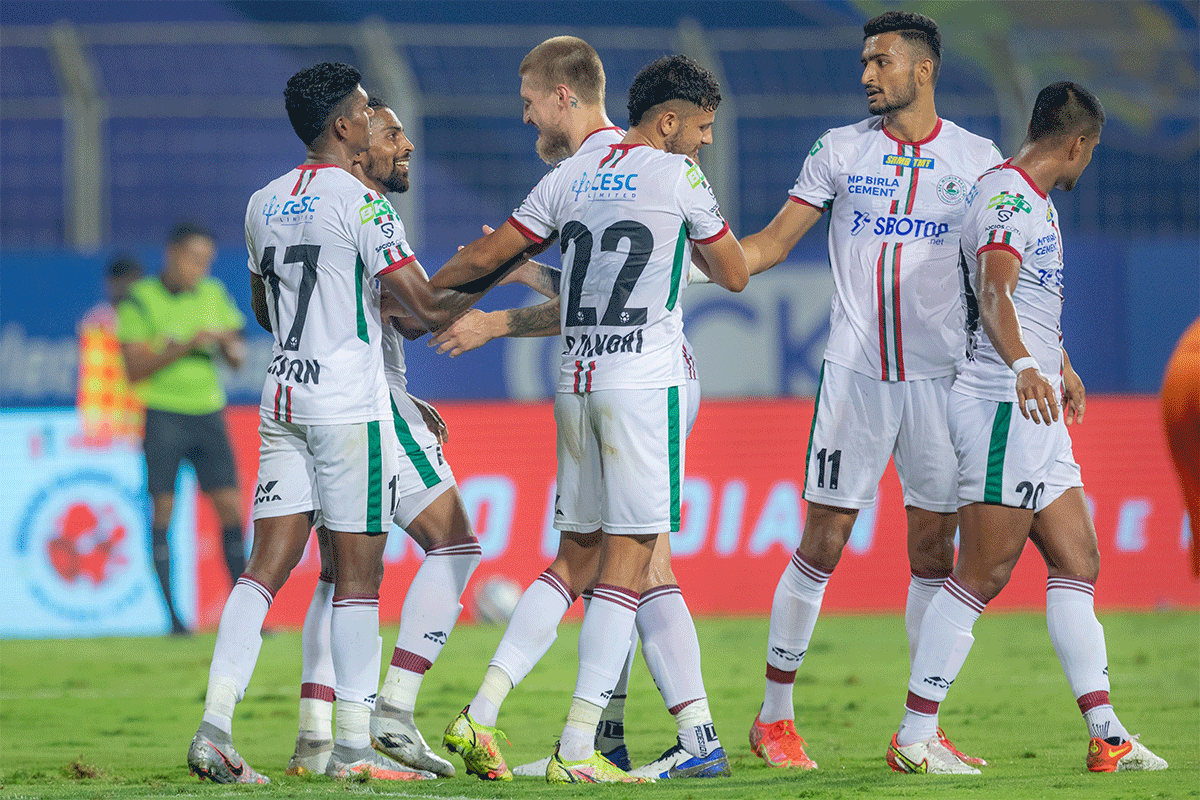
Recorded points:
465,546
355,600
675,709
663,590
550,578
317,691
920,705
412,662
779,676
1092,700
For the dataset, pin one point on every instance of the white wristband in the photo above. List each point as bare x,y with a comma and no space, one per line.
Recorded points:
695,275
1022,364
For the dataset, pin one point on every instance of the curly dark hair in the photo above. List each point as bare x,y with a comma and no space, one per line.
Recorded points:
672,78
314,93
1065,108
916,28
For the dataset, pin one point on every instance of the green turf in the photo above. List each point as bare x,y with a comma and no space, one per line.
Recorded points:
111,718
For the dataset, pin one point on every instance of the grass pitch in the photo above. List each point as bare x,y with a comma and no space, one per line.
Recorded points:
112,718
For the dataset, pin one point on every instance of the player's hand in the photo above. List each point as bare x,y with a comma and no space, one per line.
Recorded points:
470,331
1035,396
433,420
1074,396
206,341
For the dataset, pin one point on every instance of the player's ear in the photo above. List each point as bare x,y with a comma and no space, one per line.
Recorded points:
667,122
563,92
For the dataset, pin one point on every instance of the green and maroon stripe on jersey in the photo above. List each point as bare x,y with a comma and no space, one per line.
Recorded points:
887,284
913,176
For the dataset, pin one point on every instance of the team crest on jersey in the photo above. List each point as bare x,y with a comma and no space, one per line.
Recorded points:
950,190
896,160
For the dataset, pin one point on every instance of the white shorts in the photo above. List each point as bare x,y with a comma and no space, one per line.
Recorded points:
424,473
860,421
1005,459
620,460
692,386
346,471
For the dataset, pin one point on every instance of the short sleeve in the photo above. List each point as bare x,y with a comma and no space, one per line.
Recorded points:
535,218
251,261
225,312
701,213
1002,222
133,322
817,183
379,235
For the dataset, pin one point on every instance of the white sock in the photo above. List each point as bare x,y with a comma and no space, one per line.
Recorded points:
920,593
1078,639
354,634
316,673
485,706
578,738
696,731
610,733
670,646
945,641
603,647
794,612
239,638
431,608
533,626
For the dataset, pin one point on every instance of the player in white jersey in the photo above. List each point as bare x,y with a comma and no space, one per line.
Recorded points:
893,186
317,239
428,508
664,624
622,364
1018,479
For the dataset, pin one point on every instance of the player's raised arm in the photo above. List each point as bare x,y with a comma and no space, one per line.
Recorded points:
998,272
772,244
481,264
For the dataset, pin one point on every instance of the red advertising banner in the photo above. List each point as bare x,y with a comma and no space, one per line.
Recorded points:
743,513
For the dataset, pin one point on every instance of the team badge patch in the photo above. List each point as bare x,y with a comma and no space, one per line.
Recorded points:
951,190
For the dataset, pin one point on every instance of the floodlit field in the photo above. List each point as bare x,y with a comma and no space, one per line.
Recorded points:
111,718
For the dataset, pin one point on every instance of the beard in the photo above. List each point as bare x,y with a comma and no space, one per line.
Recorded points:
553,147
396,182
671,145
901,101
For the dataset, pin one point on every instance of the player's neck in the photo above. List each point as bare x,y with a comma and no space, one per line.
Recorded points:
644,134
586,124
325,151
1042,164
912,124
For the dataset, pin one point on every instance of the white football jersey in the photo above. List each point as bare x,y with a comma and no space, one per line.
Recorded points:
319,239
895,212
1006,211
627,216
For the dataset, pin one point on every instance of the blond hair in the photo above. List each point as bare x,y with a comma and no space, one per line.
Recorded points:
567,60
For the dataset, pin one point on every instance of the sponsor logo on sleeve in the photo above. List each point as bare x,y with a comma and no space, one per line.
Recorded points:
1008,203
378,211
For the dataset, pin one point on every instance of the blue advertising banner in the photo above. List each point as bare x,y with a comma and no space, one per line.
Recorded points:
74,534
